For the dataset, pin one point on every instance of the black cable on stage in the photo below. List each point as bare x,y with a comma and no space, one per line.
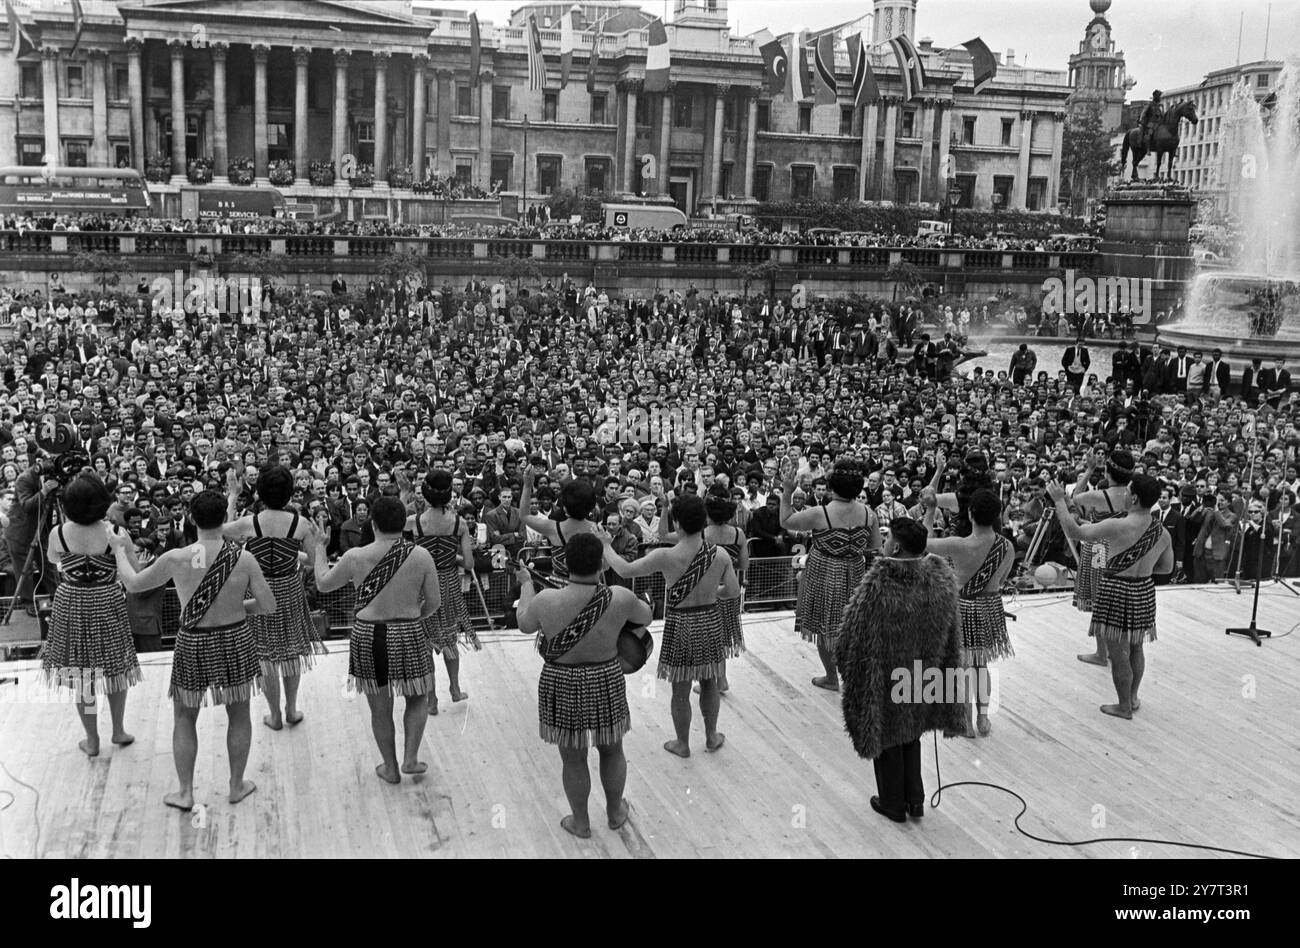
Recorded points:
36,812
1024,808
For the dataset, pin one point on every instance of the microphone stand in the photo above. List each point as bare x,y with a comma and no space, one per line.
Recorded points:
1254,631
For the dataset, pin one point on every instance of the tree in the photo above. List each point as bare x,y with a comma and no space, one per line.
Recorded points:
517,269
765,273
107,267
400,266
906,275
1087,158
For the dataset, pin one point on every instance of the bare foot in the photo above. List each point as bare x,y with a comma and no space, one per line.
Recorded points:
461,696
619,815
124,739
723,686
969,731
715,742
1118,711
89,748
680,748
984,726
414,767
570,825
1092,659
292,717
433,707
273,722
244,789
388,774
181,799
1136,703
825,681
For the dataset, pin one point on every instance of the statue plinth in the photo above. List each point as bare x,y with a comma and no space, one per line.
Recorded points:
1147,227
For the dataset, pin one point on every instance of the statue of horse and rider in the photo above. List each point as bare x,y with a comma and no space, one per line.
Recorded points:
1158,133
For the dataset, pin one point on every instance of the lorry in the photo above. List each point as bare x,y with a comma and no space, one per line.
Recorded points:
647,216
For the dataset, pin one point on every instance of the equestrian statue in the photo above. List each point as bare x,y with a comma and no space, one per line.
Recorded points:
1158,133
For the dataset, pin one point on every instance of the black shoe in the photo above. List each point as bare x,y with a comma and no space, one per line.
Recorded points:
897,818
916,810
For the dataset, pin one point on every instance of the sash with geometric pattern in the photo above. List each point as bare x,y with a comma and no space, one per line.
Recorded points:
1144,545
582,623
992,560
687,582
383,571
210,586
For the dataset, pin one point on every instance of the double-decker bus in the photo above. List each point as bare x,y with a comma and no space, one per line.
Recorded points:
43,190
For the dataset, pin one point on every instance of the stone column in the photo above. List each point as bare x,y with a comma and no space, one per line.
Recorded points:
177,48
867,162
381,118
631,88
945,145
891,137
1054,177
444,120
720,93
751,139
925,188
301,57
99,103
665,135
485,129
50,103
135,83
1021,195
340,144
419,63
260,54
220,153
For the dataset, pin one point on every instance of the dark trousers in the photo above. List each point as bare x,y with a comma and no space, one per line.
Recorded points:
898,777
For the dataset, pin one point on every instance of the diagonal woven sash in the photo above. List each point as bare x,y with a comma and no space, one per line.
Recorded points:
210,586
382,572
687,582
582,623
992,560
1144,545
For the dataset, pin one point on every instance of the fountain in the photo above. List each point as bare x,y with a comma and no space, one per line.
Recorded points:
1253,310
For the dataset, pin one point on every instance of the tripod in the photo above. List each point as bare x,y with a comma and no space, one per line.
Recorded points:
45,511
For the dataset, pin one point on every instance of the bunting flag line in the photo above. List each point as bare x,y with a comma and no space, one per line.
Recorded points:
985,63
909,66
865,88
593,62
536,59
566,45
20,41
658,61
775,61
828,92
475,49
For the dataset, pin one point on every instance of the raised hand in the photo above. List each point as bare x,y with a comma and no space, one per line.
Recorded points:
1056,490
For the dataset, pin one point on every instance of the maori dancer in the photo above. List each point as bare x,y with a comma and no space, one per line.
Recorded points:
582,693
1095,506
578,500
445,536
982,559
843,530
397,593
694,644
286,639
90,648
216,655
1124,610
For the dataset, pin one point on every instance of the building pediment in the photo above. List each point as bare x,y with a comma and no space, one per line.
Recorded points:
320,14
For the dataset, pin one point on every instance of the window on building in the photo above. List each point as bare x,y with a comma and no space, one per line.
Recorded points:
801,182
550,106
846,121
1262,81
548,173
366,144
805,119
464,100
729,115
598,114
724,185
909,124
1007,125
763,183
503,168
160,76
1036,196
464,170
968,130
763,121
1002,186
846,184
76,154
279,141
121,154
30,151
683,110
121,83
500,102
905,185
30,81
643,110
598,176
76,81
966,190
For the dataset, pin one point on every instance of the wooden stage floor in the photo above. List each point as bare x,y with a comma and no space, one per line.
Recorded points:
1211,758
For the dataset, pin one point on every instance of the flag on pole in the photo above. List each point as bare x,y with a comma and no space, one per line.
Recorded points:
78,24
775,61
828,92
566,45
475,49
658,62
909,65
594,60
797,84
20,41
536,59
865,88
985,63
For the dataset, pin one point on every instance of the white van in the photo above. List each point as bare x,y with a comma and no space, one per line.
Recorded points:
933,228
650,216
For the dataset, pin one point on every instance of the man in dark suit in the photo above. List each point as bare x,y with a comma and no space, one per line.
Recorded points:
1274,382
504,524
1250,381
1076,361
339,286
1176,372
1171,515
1123,364
1219,374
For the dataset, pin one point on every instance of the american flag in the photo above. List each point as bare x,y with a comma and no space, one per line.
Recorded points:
536,60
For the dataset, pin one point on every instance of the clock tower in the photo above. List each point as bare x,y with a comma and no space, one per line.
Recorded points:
1097,72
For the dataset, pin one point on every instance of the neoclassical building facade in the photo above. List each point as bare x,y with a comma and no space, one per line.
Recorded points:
389,85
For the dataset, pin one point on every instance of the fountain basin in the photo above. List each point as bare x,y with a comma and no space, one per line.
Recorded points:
1247,315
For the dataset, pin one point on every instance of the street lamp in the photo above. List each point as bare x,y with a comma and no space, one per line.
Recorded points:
523,208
